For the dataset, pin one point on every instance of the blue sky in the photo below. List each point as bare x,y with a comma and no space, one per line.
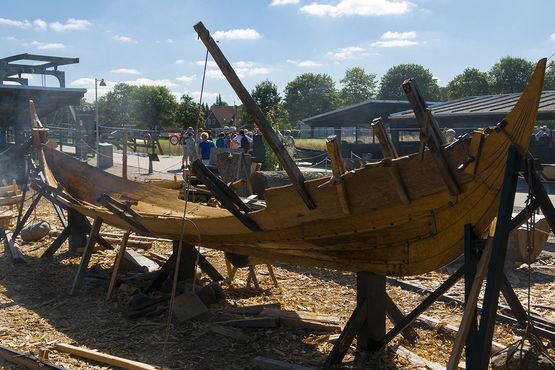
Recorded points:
153,42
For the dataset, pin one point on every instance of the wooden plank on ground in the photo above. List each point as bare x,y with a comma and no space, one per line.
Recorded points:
417,361
304,320
103,357
252,310
230,333
257,322
26,360
140,261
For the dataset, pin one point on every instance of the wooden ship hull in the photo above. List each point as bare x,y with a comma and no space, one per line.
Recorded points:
393,217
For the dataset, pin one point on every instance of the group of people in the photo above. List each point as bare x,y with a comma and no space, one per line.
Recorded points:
200,145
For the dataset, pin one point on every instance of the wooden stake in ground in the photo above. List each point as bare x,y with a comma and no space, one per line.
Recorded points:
117,263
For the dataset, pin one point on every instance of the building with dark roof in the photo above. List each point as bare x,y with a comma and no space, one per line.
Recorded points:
465,114
220,116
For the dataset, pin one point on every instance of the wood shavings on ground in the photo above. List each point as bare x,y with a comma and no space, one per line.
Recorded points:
38,311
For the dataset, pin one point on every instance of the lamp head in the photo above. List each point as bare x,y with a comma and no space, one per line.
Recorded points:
102,83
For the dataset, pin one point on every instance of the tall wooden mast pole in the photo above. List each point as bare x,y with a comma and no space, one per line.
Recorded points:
295,175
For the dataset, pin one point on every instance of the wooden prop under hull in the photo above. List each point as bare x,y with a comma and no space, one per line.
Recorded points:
381,234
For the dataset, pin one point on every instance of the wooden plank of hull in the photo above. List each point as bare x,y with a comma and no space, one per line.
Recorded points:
382,235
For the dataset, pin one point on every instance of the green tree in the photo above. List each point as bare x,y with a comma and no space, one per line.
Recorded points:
510,75
391,83
147,107
266,95
155,107
188,112
357,86
310,94
220,102
549,83
471,82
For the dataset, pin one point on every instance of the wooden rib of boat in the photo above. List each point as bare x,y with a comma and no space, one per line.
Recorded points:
370,227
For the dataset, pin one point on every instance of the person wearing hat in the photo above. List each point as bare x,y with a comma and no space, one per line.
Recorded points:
450,135
188,145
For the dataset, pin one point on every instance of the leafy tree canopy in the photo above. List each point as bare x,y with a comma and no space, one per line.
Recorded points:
147,107
220,102
510,75
469,83
310,94
266,95
358,86
188,112
549,83
391,83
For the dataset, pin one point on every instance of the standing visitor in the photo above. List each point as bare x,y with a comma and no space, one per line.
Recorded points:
188,144
220,142
204,148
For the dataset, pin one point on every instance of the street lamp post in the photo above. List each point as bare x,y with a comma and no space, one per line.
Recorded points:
102,83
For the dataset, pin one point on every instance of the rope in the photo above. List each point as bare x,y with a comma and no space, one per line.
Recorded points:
184,219
176,268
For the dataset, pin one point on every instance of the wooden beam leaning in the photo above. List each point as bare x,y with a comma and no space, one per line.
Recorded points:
82,270
389,152
434,140
386,145
338,169
296,176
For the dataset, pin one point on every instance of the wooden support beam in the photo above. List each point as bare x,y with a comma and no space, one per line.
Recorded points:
338,169
396,315
11,247
57,243
499,251
371,288
386,145
82,270
25,217
117,264
296,176
397,179
469,314
434,138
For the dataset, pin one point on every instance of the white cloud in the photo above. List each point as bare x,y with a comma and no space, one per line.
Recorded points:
88,83
48,46
169,41
237,34
40,25
71,24
186,79
148,82
248,69
552,37
389,35
209,64
350,52
309,63
179,61
9,38
13,23
283,2
304,63
215,74
124,39
396,40
128,71
358,7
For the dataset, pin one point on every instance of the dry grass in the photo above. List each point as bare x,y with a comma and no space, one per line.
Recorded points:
312,144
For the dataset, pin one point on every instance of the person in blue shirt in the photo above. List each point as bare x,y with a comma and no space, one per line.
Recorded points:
204,148
220,142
